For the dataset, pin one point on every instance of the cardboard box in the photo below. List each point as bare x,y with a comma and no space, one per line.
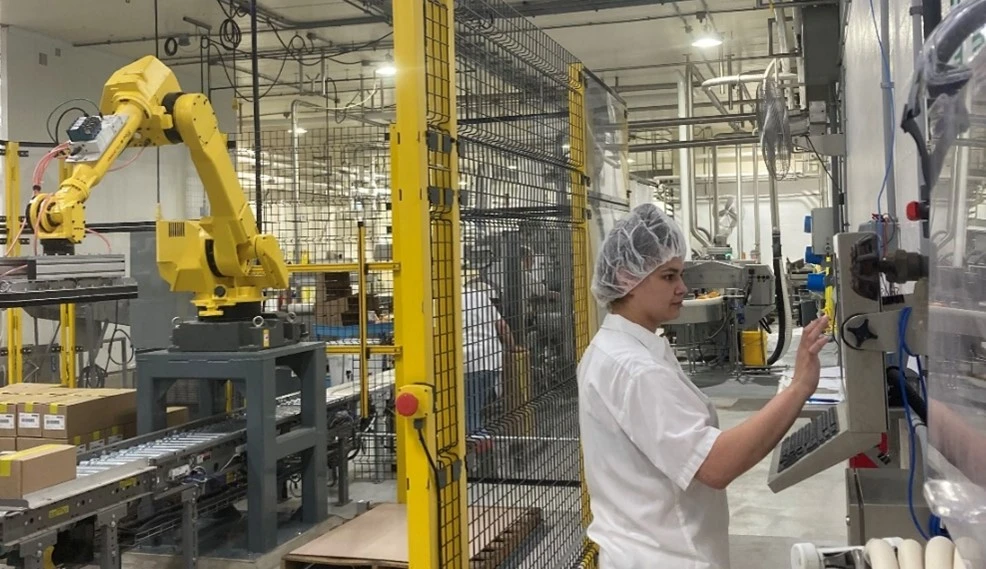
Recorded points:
8,417
31,411
85,413
121,402
81,443
35,469
8,444
329,312
16,388
104,437
332,286
178,416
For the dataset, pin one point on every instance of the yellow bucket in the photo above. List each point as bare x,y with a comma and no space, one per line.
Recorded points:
754,348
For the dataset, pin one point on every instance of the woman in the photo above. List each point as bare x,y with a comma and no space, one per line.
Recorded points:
656,462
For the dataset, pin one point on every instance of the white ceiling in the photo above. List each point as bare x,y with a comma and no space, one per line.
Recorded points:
650,39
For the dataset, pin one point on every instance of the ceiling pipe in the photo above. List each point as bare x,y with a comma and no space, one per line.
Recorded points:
659,108
745,78
736,126
681,121
707,143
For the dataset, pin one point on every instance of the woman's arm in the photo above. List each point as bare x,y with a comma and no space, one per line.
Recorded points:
739,449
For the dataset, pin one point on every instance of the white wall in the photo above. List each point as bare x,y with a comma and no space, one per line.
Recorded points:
796,199
864,114
31,88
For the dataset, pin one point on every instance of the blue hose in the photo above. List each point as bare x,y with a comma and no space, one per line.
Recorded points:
902,349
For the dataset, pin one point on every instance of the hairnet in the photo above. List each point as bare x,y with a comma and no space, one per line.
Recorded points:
637,245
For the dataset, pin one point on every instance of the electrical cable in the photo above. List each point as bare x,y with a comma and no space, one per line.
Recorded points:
54,138
893,133
229,78
61,117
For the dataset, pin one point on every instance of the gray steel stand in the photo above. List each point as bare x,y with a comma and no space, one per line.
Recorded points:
109,543
255,372
33,552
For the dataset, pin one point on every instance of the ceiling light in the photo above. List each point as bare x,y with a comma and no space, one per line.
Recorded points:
631,161
707,39
298,130
387,69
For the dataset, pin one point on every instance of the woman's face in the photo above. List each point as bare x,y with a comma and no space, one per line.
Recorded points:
661,294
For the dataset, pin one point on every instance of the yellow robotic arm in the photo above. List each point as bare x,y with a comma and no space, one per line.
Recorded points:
222,259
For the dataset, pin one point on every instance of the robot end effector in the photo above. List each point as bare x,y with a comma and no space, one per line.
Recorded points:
222,259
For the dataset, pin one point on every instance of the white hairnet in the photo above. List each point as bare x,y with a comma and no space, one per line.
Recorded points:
637,245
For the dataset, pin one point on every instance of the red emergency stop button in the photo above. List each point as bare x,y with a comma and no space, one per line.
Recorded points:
406,404
916,211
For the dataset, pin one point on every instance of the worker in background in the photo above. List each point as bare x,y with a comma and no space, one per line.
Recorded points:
485,338
656,462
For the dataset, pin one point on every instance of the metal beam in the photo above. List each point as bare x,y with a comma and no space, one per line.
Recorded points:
646,87
709,143
681,121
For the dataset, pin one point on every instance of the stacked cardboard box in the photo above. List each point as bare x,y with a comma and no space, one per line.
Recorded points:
335,303
32,415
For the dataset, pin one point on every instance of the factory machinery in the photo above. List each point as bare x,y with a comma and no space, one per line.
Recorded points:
911,326
160,486
728,298
143,488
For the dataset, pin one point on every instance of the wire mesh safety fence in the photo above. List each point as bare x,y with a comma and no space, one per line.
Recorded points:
524,280
326,198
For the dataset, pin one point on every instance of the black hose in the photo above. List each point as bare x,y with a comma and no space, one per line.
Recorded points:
781,314
780,294
931,15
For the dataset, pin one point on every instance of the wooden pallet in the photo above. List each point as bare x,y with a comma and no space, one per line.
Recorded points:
378,539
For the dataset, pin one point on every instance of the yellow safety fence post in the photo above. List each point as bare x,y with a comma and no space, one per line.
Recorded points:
364,322
580,255
427,288
67,316
829,307
12,194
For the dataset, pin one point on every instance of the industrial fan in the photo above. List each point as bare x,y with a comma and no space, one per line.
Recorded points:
774,126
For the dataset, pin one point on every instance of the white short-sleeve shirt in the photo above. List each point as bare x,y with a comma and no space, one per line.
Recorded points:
646,429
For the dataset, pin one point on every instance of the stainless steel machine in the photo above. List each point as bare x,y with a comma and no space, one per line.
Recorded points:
727,298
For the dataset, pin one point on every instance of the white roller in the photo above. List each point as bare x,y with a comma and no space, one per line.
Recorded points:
957,562
910,555
939,554
881,555
806,556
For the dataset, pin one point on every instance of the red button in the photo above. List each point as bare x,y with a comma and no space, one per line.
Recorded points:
914,211
406,404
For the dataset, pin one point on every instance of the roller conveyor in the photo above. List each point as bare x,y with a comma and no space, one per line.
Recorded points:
177,463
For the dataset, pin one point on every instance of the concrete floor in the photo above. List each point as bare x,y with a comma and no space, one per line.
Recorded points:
763,526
